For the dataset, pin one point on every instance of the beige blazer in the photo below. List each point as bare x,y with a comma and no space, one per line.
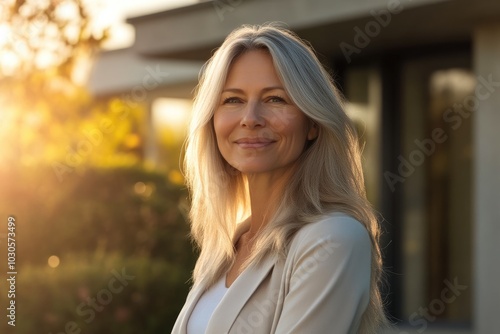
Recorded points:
321,287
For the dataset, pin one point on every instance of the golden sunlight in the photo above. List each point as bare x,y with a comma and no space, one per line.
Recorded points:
4,33
7,128
9,62
171,113
53,261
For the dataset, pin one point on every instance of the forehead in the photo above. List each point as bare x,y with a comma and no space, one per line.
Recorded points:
251,68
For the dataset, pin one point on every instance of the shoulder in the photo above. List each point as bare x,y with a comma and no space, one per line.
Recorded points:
336,226
326,277
336,230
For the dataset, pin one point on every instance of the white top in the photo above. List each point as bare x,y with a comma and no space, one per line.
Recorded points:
202,312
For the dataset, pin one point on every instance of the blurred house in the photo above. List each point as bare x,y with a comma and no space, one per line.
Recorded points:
423,83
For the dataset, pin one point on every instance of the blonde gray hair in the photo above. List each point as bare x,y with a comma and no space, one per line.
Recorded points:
328,177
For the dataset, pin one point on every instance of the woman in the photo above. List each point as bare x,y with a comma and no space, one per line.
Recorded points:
270,146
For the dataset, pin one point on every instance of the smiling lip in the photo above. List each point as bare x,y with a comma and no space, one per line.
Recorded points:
254,142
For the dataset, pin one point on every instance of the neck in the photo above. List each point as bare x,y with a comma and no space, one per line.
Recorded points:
265,191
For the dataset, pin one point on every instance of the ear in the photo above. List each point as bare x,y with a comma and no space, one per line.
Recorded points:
313,131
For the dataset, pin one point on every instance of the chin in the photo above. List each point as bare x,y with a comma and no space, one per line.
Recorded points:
252,168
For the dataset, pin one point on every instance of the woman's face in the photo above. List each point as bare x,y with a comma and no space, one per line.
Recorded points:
258,128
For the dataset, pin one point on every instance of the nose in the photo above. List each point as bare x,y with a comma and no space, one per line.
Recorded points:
252,116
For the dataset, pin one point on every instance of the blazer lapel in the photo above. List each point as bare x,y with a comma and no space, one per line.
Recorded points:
198,290
236,297
191,301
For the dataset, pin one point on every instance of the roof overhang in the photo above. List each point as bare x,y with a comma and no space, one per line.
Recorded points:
193,32
124,72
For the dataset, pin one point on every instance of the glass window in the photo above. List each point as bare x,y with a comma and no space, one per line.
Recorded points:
430,235
362,90
435,166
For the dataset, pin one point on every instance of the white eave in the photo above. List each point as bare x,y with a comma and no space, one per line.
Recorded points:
192,32
124,71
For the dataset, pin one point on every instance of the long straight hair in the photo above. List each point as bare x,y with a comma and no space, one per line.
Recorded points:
328,175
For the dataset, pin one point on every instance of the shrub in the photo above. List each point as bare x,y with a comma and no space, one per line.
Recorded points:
96,221
146,300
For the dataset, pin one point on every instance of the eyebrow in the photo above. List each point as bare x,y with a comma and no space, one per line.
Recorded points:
238,90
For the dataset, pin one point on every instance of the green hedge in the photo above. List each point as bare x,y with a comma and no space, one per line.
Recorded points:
100,209
145,299
95,221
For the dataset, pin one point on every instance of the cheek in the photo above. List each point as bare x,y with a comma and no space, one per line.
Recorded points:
292,125
223,126
289,119
220,126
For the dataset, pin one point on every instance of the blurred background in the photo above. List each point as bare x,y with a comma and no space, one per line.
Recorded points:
94,99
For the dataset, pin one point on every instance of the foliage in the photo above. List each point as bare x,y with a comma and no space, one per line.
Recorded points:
70,130
105,219
146,300
126,210
72,174
46,115
40,35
